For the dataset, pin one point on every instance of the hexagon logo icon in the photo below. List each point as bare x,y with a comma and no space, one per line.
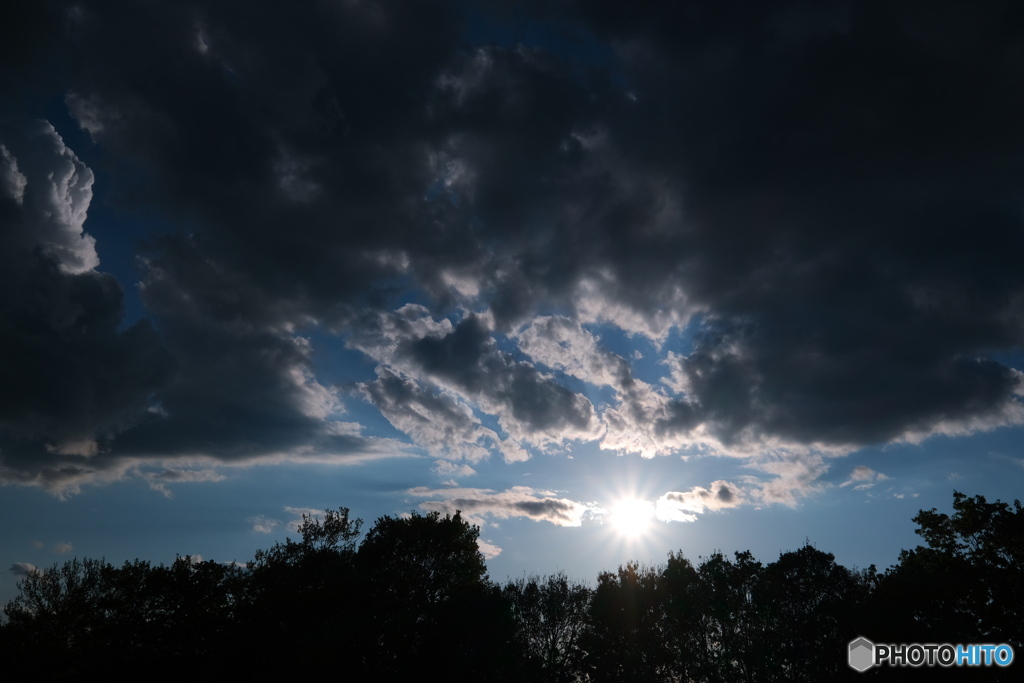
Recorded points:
862,654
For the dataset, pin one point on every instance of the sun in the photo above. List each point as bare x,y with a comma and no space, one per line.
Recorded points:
632,517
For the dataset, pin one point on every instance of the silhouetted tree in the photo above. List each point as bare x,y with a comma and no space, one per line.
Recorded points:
733,623
551,616
301,597
966,586
627,640
688,621
87,616
807,603
429,605
414,601
55,617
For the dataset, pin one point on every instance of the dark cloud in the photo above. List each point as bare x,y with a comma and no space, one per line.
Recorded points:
73,378
835,188
224,377
469,358
853,210
22,569
465,361
297,138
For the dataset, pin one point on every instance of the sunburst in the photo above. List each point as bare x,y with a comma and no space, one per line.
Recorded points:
632,517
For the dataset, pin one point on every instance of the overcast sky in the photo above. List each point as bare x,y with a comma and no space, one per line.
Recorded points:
756,264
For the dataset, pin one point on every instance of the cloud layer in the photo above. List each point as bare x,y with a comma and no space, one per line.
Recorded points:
825,201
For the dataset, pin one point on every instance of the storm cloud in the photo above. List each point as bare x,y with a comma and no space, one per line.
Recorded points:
828,198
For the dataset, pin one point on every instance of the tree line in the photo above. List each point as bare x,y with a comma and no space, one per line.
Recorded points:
413,600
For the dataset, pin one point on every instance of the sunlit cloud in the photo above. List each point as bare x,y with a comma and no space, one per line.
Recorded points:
863,477
798,475
487,549
685,506
519,501
446,468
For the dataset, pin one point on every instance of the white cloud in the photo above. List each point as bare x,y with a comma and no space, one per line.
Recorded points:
519,501
598,301
562,344
513,452
683,506
489,550
263,525
677,380
437,421
446,468
797,475
635,423
864,478
63,548
54,190
312,398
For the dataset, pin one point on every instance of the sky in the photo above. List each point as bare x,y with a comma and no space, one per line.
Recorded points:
612,279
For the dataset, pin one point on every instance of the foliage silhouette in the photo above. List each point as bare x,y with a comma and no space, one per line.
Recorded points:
965,586
425,585
414,600
301,596
550,615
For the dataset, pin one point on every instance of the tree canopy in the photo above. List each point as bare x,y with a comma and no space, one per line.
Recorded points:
413,599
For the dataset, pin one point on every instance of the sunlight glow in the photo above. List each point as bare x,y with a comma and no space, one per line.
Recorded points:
632,517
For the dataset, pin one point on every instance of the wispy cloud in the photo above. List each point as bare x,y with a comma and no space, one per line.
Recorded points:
863,477
519,501
798,474
158,481
263,525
